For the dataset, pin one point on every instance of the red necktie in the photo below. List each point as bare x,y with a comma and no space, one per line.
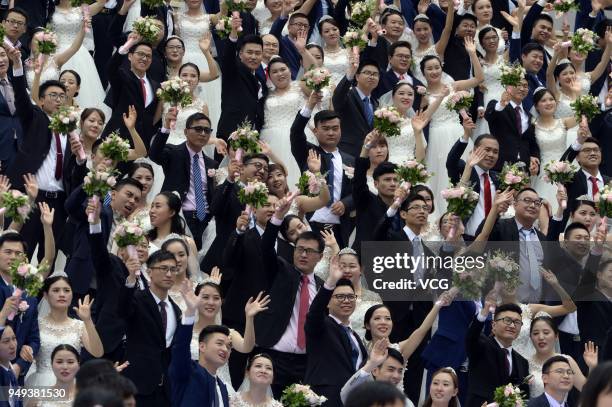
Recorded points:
487,193
304,304
59,154
402,77
144,91
595,186
519,121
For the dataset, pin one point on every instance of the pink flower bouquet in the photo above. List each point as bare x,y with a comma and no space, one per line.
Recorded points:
129,235
253,195
15,205
502,268
236,6
97,184
512,75
559,173
301,395
604,204
460,102
309,184
28,278
244,140
508,396
387,121
146,28
413,172
470,283
461,201
47,45
316,78
115,148
65,121
354,39
585,107
513,176
584,41
223,27
361,11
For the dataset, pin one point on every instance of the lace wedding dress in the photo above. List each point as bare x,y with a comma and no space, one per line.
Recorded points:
402,147
52,335
279,113
336,62
50,71
67,25
493,91
565,110
523,344
552,146
238,401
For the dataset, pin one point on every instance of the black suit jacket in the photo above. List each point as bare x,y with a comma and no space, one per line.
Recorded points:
540,401
487,367
239,93
176,163
145,340
283,282
36,140
595,318
10,134
601,127
512,147
355,126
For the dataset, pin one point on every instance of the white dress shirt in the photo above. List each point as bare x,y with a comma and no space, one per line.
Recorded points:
190,201
325,215
45,176
479,213
600,183
524,116
508,355
353,339
170,318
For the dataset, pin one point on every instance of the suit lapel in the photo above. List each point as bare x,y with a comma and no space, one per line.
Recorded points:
154,311
359,103
187,167
344,340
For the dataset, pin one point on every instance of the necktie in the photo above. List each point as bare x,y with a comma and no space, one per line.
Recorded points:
534,272
304,304
595,187
417,253
144,91
200,200
487,193
217,402
367,109
9,96
402,77
59,157
329,164
506,361
107,200
354,348
164,317
519,121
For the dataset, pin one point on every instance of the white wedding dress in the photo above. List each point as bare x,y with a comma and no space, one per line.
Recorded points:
238,401
552,146
52,335
402,147
494,90
565,110
191,31
50,71
523,344
279,114
336,62
67,25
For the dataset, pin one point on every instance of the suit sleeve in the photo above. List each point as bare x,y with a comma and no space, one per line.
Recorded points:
229,65
158,152
100,258
179,369
529,22
437,17
361,192
340,96
534,148
115,30
277,31
315,320
114,76
381,233
340,15
125,305
232,254
454,164
23,106
74,204
219,206
515,50
299,145
32,339
270,258
473,339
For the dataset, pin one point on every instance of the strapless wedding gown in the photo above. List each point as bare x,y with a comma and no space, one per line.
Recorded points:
67,25
552,146
402,147
52,335
192,29
279,114
494,90
336,62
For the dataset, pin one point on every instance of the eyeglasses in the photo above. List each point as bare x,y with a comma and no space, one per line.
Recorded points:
301,250
404,57
589,150
166,269
259,166
200,129
301,25
345,297
16,23
174,47
370,74
509,321
419,207
563,372
535,202
57,96
143,55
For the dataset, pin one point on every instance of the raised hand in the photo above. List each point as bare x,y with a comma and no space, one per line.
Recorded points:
121,367
370,139
503,200
170,117
130,117
419,121
242,222
236,25
423,6
46,214
27,353
257,305
329,238
31,186
549,277
191,300
335,271
447,297
15,56
86,24
353,65
221,146
5,184
505,99
314,99
470,46
233,168
215,275
476,156
314,161
205,41
93,207
300,40
282,207
534,166
379,352
399,196
84,308
590,354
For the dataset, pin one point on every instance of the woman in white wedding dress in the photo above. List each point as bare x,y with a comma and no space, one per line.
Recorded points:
444,127
551,136
544,335
66,22
189,268
280,109
257,391
336,56
58,328
483,10
142,171
65,362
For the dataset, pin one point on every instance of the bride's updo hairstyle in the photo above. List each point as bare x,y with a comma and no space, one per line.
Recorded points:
182,242
426,59
547,319
177,223
49,281
189,65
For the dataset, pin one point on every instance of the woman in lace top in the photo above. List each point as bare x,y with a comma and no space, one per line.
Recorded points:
58,328
142,172
259,376
268,15
424,36
65,362
483,10
336,57
544,335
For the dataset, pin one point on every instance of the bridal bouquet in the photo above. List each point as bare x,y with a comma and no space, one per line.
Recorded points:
512,75
2,33
513,176
507,396
413,172
236,6
115,148
97,184
176,92
502,268
310,184
15,205
361,11
244,140
253,195
461,201
605,202
26,277
223,27
316,78
47,42
470,283
387,121
129,235
301,395
559,173
146,28
585,108
563,6
354,39
584,41
64,120
460,102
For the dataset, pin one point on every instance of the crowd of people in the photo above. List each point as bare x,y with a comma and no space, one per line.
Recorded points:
222,302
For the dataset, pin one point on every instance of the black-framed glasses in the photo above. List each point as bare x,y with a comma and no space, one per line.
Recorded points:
259,166
589,150
509,321
535,202
143,55
201,129
563,372
404,57
419,207
301,250
345,297
57,96
166,269
301,25
16,23
370,74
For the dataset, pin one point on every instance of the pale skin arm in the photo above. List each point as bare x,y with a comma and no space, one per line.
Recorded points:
61,59
567,305
96,7
35,91
605,58
419,121
478,72
267,151
475,156
447,31
551,83
253,307
91,339
213,69
139,149
46,217
409,345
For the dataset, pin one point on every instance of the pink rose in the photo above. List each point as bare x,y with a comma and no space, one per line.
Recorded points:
411,164
211,172
111,181
15,193
22,270
249,189
610,198
23,306
23,210
423,173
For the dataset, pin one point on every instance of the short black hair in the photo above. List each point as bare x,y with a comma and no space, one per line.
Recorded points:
134,47
575,226
367,62
345,282
592,140
249,157
466,16
412,197
383,168
543,16
532,46
526,189
18,10
374,393
297,15
310,235
68,348
159,256
127,181
482,137
95,372
557,358
13,237
251,39
213,329
398,44
508,307
42,90
389,12
97,396
325,116
195,117
397,355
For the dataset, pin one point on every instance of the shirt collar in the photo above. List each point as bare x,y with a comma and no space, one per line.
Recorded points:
480,171
260,230
157,299
192,152
338,321
588,175
411,235
361,94
514,105
502,346
552,401
521,227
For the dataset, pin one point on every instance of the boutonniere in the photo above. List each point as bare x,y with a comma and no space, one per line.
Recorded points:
348,171
22,308
211,172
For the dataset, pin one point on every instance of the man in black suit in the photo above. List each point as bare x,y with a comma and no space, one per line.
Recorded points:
15,24
280,330
334,160
600,127
42,153
188,170
242,92
132,87
151,318
538,27
459,65
510,121
39,13
493,362
10,127
335,351
355,104
533,58
102,45
477,172
558,378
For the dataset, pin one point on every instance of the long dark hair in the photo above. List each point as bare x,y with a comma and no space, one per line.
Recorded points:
454,402
177,223
368,316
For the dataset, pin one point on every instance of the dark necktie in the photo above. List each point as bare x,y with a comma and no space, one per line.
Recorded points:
329,164
595,187
519,121
143,88
9,96
164,317
198,188
354,348
506,361
59,157
303,311
486,192
367,109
